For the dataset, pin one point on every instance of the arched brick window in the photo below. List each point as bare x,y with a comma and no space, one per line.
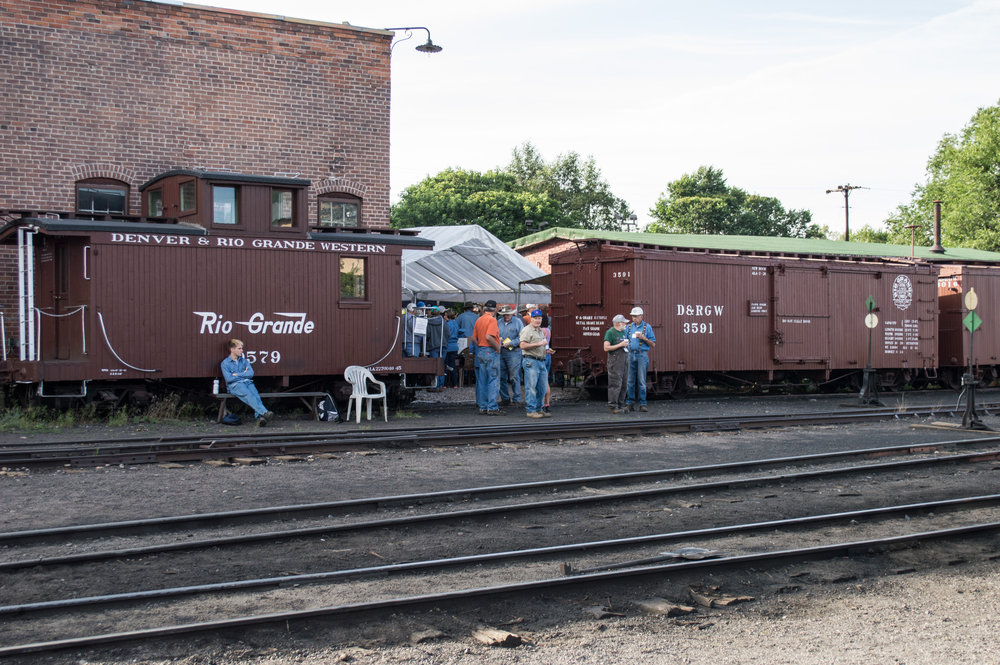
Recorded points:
337,209
101,196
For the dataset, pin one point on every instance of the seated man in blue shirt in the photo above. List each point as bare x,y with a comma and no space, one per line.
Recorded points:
238,373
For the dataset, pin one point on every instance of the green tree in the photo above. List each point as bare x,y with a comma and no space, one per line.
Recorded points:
964,174
518,199
868,234
585,199
492,200
702,202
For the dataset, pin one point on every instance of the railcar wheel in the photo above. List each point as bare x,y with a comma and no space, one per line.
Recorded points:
596,388
682,385
951,378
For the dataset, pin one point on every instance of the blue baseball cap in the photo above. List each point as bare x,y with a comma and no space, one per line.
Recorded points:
536,312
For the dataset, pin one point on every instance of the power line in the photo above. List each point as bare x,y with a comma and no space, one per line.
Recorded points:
846,189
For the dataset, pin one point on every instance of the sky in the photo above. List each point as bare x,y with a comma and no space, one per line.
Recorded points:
789,98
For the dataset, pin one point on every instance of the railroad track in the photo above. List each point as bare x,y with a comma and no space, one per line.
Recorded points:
548,567
566,577
738,477
269,444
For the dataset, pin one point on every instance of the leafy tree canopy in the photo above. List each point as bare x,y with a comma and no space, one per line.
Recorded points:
702,202
576,185
526,195
964,174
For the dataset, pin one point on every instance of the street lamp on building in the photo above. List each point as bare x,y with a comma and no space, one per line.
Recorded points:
426,47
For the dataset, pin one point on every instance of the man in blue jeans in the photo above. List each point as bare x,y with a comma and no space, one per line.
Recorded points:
510,327
536,376
641,340
238,373
486,337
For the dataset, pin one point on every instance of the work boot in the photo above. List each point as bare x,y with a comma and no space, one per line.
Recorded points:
643,408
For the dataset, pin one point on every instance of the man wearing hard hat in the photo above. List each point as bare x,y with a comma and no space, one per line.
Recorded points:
640,340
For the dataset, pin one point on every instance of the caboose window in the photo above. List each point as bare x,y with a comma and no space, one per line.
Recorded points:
187,196
154,203
352,278
339,212
224,209
99,197
281,208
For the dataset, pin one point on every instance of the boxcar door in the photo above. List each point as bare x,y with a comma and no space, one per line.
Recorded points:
801,315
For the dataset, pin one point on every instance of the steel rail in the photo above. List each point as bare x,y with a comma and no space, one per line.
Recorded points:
310,578
478,593
88,557
201,447
373,503
272,435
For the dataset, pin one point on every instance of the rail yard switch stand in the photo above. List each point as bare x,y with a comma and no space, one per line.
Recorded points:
869,384
970,419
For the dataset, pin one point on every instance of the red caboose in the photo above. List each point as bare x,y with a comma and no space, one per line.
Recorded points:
217,255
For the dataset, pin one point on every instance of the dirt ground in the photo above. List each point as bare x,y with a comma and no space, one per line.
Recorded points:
934,609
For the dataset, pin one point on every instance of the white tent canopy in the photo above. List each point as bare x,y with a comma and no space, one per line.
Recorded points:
469,263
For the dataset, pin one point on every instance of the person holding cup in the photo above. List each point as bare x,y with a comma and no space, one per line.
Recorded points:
640,340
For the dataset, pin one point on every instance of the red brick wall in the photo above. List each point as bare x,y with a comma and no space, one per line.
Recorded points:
539,254
129,89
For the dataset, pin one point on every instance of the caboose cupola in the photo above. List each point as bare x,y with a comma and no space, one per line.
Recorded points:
226,202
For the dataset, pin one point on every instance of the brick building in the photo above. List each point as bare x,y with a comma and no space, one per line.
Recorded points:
103,95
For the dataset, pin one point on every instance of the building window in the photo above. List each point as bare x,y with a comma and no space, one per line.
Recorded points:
224,205
154,203
281,208
352,278
101,196
187,196
342,210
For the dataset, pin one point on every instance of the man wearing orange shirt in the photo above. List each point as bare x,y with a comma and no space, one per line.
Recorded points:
486,337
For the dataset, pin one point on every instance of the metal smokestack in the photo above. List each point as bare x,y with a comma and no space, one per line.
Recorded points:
937,248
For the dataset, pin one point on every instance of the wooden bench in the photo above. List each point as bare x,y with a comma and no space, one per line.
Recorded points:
310,399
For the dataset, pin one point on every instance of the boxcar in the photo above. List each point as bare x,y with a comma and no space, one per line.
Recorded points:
746,320
112,304
958,346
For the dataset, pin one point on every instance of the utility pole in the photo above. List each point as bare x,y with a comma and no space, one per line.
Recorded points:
846,189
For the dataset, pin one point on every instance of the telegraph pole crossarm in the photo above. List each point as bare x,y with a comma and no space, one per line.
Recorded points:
846,189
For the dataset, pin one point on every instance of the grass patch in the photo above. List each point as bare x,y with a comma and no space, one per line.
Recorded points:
34,418
47,419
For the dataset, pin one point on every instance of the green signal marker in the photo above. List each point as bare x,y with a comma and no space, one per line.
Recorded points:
972,321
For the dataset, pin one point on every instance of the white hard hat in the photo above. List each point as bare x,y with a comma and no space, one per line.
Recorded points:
636,311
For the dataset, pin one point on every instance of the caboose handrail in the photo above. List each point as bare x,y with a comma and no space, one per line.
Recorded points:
26,292
394,339
100,319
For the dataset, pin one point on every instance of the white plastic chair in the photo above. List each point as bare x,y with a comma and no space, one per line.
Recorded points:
359,377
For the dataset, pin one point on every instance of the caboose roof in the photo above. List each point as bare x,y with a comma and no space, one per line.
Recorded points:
63,224
760,245
228,176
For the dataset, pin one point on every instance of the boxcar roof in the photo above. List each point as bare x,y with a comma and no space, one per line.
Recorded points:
761,245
